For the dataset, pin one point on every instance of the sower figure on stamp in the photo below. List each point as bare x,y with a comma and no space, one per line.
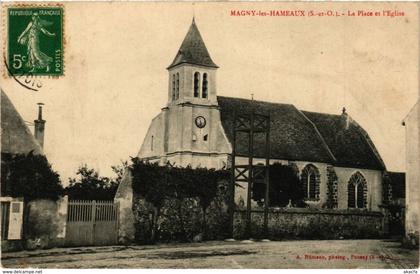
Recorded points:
30,37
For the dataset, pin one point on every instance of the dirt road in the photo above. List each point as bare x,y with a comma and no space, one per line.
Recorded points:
280,254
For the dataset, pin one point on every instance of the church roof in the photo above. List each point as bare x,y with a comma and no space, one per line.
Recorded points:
351,146
193,50
302,135
16,138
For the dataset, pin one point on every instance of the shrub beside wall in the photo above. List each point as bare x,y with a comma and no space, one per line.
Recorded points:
181,220
303,223
178,204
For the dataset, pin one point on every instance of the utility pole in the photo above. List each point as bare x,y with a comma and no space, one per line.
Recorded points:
251,124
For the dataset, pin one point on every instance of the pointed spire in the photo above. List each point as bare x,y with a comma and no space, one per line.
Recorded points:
193,50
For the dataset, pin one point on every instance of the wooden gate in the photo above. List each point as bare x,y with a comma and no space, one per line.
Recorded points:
92,223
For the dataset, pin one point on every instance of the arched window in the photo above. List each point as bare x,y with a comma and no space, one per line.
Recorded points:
177,86
196,84
310,181
357,191
151,144
204,87
173,87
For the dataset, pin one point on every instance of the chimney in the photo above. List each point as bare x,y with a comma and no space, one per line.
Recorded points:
39,126
345,119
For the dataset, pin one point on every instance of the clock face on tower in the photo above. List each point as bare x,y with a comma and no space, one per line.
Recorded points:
200,121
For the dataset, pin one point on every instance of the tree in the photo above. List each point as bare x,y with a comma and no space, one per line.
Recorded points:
29,176
284,186
119,171
91,186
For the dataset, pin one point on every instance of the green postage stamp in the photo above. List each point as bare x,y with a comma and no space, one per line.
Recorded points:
35,40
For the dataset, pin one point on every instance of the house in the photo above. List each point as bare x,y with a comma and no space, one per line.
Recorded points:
412,129
195,128
16,138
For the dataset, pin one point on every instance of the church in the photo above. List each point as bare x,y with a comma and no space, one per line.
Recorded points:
333,153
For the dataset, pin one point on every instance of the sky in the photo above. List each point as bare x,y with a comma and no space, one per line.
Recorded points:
116,54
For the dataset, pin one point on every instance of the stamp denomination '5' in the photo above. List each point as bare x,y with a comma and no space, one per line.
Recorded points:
35,41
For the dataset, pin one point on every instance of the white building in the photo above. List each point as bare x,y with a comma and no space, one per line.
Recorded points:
412,202
16,138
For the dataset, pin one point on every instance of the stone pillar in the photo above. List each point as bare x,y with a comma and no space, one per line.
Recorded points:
62,211
332,189
124,198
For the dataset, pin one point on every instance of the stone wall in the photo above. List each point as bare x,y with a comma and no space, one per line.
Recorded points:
45,224
304,223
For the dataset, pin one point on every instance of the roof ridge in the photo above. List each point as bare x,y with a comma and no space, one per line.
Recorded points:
322,113
257,101
319,135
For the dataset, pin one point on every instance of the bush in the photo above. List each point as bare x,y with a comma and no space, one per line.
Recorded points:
285,185
29,176
176,204
91,186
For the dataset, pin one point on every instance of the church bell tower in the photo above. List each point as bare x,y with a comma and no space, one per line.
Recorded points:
188,131
192,74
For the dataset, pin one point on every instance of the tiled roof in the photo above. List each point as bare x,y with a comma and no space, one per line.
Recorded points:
292,136
193,50
351,146
16,138
302,136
